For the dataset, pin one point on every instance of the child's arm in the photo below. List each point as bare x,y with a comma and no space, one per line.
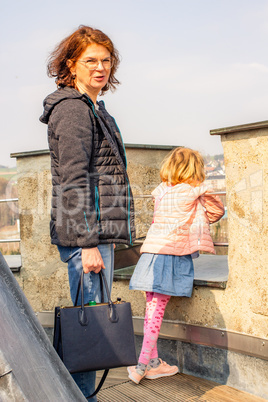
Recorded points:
213,205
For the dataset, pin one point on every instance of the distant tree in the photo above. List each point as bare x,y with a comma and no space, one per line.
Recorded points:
12,190
3,186
219,157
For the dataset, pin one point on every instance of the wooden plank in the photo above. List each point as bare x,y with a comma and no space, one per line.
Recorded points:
115,376
136,393
216,390
178,388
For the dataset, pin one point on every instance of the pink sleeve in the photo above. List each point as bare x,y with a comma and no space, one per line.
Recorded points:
213,205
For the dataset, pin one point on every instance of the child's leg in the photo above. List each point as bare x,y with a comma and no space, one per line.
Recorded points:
149,298
155,308
148,317
157,368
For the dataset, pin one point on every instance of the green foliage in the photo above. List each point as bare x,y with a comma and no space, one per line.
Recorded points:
3,186
4,251
219,157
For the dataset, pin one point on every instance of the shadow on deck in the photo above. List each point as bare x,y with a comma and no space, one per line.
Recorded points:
178,388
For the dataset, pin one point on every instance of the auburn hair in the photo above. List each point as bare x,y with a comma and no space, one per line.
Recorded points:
183,165
71,48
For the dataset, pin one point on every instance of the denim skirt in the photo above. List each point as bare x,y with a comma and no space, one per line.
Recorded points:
166,274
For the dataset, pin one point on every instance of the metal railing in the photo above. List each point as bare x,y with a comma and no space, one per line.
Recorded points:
9,200
150,196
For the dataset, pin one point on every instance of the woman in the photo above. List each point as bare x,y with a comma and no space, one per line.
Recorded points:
92,204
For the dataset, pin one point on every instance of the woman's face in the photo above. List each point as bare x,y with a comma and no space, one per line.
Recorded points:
88,80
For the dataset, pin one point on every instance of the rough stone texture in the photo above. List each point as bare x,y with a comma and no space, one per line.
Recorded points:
143,171
241,307
43,276
135,297
248,374
246,163
242,372
143,216
205,362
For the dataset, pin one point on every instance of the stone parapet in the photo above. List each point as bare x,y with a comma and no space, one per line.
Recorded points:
240,310
245,307
43,276
241,307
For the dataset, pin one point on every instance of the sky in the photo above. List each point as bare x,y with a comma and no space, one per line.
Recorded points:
186,67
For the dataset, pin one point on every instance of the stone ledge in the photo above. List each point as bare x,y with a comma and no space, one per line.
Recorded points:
29,153
46,151
240,128
209,271
14,262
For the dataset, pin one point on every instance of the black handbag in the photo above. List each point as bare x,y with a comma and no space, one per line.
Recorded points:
98,337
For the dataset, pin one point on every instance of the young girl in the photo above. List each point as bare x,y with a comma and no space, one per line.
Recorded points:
184,208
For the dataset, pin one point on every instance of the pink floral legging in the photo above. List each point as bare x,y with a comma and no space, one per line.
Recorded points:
155,309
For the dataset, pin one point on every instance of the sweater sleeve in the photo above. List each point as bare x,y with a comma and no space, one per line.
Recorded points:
213,206
71,122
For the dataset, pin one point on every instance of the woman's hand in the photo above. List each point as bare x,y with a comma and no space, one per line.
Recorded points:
92,260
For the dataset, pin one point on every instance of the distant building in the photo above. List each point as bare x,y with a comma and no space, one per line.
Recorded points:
217,181
215,174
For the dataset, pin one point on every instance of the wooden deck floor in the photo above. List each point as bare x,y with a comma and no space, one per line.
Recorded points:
178,388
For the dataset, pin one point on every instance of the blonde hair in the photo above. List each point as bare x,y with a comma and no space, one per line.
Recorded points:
183,165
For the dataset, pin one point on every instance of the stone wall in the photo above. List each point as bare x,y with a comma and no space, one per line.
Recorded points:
245,301
239,313
241,307
143,170
43,277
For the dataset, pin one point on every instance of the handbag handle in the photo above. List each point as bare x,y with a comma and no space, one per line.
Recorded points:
78,290
113,317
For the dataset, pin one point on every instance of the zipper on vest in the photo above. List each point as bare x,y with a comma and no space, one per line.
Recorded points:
128,208
85,216
97,207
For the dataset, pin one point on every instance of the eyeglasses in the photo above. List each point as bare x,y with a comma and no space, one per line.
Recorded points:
93,64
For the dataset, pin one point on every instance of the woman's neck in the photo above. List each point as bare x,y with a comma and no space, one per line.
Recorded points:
92,94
